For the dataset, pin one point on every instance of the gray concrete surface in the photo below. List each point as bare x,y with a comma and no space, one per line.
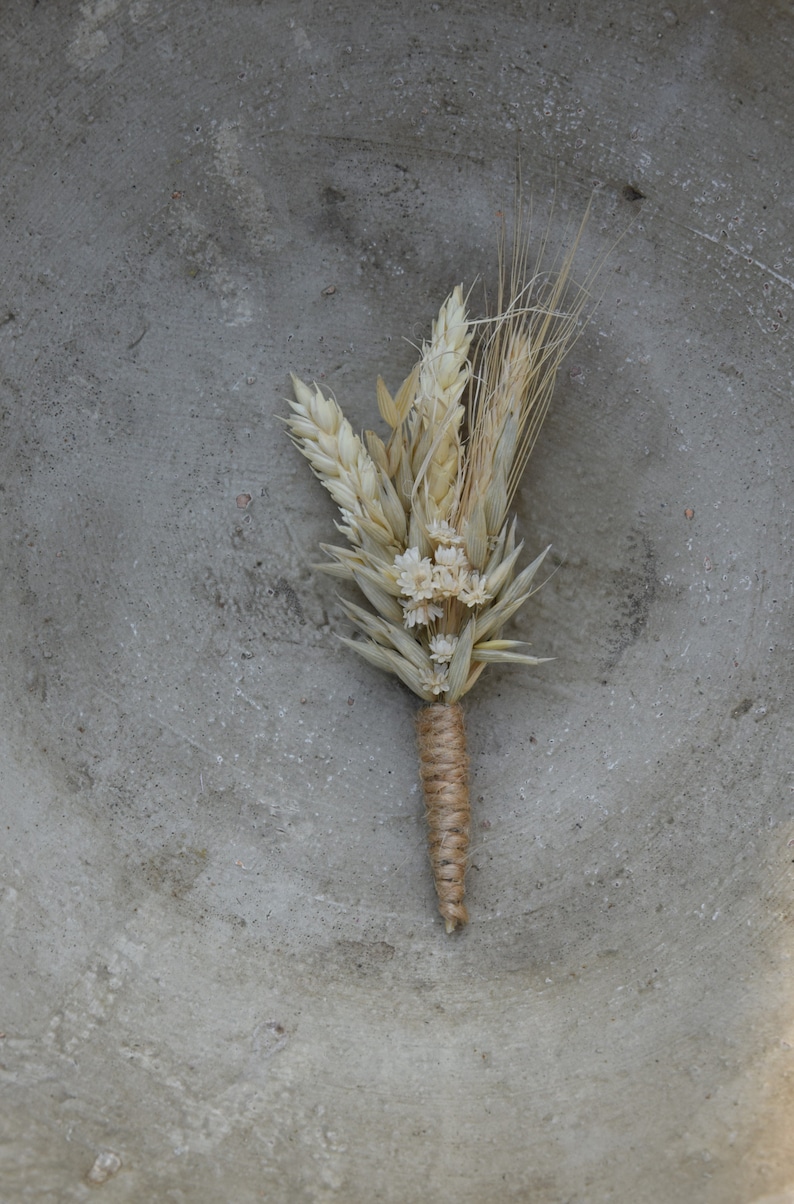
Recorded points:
223,977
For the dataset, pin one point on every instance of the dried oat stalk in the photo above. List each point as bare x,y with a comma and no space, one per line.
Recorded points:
425,513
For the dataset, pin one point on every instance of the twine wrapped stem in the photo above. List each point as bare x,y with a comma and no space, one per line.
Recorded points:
444,770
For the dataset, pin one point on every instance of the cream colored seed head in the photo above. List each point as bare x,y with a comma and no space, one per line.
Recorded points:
340,460
444,372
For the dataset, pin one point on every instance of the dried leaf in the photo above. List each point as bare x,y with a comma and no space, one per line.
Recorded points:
460,663
511,600
500,575
516,658
391,662
388,410
380,629
406,395
476,536
383,602
377,450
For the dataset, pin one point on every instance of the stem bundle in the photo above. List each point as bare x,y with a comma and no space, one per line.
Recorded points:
444,770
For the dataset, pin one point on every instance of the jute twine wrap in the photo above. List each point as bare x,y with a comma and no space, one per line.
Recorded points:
444,769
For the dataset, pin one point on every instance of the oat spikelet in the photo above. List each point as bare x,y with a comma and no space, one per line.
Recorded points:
425,512
340,460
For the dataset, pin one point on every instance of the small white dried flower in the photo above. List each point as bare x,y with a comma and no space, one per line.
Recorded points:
443,533
442,648
451,558
449,582
475,592
436,681
420,612
408,559
415,574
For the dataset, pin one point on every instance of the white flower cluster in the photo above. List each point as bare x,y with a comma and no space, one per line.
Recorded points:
442,532
442,648
425,583
437,681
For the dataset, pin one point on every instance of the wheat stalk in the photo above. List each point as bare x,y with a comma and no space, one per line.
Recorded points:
425,514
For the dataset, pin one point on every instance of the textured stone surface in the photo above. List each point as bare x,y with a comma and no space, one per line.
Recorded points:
223,975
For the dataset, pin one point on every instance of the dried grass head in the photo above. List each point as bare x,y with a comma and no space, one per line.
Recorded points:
425,510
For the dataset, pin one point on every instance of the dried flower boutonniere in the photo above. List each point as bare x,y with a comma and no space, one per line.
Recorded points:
426,515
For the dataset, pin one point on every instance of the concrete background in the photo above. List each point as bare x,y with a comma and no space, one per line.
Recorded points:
223,976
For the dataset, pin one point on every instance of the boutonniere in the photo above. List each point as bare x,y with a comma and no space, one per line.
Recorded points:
425,511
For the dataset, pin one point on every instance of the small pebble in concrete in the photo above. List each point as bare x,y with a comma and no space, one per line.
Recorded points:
106,1165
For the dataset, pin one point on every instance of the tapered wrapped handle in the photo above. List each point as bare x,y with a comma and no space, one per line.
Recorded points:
444,770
